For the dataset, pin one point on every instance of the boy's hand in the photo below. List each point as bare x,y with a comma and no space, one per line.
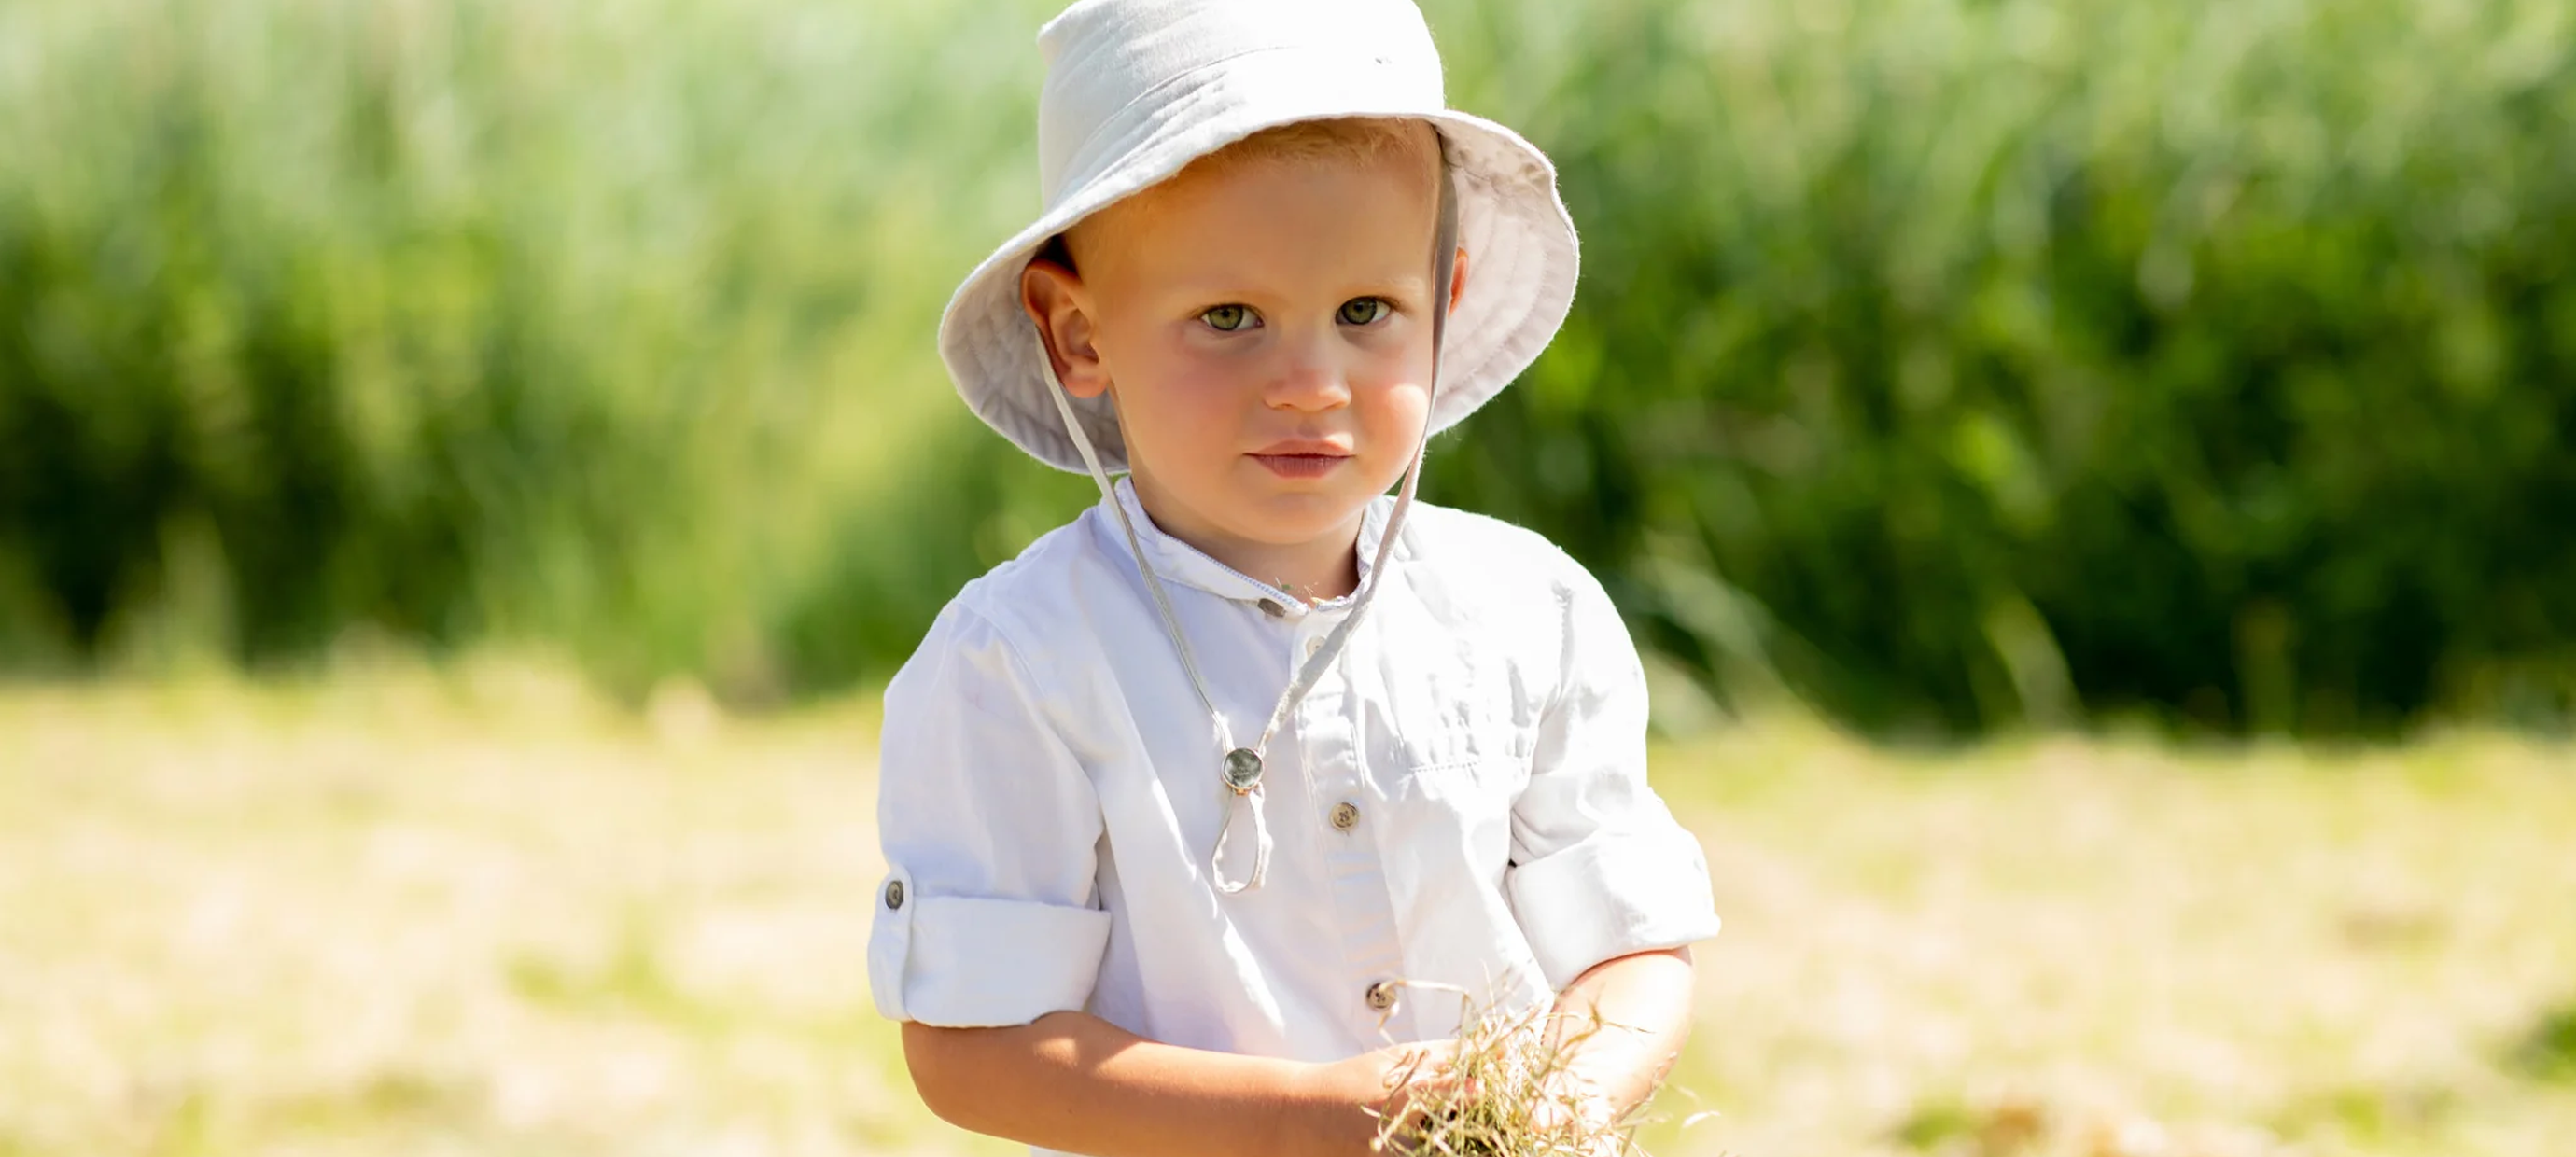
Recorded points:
1333,1102
1578,1105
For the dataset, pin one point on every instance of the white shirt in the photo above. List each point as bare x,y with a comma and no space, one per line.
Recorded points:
1462,798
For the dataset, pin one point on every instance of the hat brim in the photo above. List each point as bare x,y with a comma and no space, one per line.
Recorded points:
1519,240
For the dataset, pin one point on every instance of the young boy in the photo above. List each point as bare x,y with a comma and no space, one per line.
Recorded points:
1194,807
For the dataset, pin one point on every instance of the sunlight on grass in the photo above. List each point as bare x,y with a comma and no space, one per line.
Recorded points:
437,917
477,911
2111,950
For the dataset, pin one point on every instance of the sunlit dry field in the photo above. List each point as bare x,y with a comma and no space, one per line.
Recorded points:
480,913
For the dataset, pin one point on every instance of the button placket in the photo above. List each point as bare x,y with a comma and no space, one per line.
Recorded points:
1354,865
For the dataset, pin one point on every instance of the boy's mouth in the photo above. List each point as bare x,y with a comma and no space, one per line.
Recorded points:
1302,459
1301,465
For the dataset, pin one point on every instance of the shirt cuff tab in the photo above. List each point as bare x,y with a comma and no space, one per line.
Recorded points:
970,962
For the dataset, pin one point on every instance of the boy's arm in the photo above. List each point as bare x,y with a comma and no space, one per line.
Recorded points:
1075,1082
1636,1011
1609,888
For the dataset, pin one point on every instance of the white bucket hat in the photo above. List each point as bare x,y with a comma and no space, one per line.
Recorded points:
1137,89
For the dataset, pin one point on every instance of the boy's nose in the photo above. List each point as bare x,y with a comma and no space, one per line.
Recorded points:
1310,378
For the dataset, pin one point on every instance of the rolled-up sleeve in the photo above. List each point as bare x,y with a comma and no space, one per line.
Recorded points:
1600,867
988,915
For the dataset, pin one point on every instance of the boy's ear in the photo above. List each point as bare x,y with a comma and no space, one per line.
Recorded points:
1054,297
1458,280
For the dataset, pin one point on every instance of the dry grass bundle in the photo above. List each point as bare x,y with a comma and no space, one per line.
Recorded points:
1509,1091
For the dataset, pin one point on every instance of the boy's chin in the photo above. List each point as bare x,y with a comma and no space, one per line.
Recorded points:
1286,519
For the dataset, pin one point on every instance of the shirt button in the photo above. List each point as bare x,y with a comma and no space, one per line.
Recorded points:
1381,996
1346,815
1313,645
894,894
1272,608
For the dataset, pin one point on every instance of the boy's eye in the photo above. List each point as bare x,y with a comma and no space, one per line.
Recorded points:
1228,318
1364,310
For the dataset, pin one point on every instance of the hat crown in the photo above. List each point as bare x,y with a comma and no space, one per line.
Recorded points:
1104,57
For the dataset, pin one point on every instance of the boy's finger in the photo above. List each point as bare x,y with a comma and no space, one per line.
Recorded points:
1427,1061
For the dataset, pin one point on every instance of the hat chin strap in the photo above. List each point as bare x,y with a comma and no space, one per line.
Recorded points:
1239,769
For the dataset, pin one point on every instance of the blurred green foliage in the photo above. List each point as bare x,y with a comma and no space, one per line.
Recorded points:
607,324
1965,362
1946,363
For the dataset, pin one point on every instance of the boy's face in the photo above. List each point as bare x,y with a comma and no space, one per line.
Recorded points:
1264,328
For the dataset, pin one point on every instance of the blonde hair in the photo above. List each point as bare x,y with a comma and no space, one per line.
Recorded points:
1334,140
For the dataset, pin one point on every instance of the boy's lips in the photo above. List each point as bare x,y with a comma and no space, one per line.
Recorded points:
1301,459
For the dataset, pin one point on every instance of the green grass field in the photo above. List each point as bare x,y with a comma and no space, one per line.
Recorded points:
478,912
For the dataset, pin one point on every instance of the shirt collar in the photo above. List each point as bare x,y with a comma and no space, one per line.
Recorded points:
1179,562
